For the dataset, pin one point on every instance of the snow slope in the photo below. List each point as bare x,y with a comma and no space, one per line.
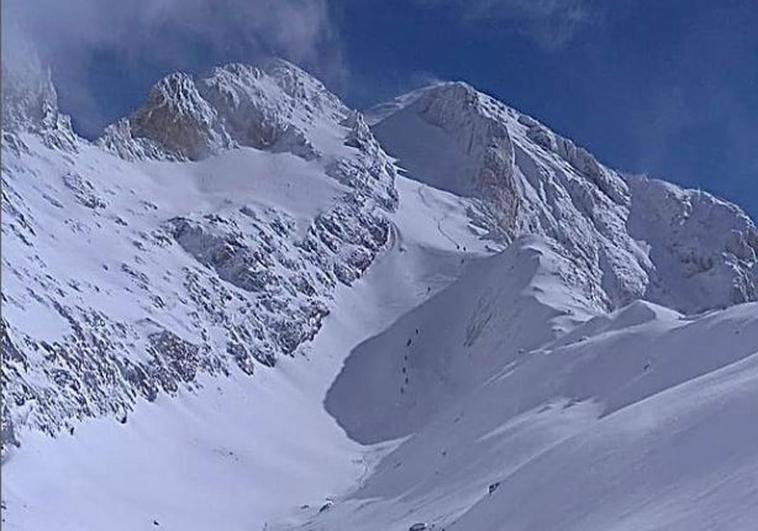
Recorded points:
125,277
683,459
639,419
455,342
235,310
239,452
632,237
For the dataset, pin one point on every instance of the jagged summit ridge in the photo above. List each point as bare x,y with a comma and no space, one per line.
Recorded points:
275,107
221,216
534,181
206,238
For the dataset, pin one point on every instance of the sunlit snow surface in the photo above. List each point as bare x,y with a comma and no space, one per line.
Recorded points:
242,451
636,420
487,362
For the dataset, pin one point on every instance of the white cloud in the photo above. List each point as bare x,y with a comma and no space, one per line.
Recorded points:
169,33
550,23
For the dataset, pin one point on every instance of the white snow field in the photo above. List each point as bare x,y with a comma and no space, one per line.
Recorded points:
635,420
239,452
245,309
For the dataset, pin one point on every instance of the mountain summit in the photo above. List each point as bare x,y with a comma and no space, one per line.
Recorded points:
277,106
148,269
247,306
628,237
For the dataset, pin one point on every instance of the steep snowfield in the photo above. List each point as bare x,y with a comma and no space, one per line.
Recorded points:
240,452
235,310
453,343
640,419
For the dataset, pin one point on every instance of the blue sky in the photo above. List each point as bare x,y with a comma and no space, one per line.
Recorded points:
667,87
664,87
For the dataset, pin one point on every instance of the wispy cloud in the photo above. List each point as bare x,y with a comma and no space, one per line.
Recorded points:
173,33
550,23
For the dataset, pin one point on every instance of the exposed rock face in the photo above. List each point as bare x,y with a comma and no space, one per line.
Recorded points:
481,163
179,120
276,107
628,237
126,275
207,232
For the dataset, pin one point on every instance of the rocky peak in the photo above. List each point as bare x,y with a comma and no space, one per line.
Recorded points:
706,249
177,118
444,136
272,107
30,103
530,180
177,91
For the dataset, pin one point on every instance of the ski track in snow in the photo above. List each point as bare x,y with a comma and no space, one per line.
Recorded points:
439,220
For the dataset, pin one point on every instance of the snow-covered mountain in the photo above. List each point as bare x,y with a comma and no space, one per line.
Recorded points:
500,418
629,237
254,308
125,275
